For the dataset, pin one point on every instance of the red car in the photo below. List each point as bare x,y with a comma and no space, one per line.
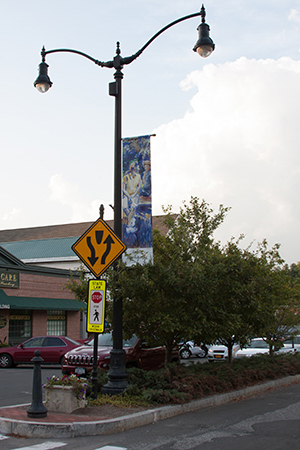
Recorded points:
52,348
138,354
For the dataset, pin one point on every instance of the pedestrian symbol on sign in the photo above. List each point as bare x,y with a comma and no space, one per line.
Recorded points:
96,316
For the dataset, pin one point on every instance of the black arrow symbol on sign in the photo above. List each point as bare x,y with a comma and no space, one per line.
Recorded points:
99,236
108,241
93,258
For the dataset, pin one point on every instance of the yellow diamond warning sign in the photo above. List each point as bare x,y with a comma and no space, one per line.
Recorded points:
98,247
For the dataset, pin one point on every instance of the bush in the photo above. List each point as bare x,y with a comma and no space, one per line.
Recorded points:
4,343
178,383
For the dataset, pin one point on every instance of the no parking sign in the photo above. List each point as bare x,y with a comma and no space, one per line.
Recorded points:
96,306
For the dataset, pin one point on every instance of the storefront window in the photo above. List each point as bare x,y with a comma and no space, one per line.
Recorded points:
56,323
19,326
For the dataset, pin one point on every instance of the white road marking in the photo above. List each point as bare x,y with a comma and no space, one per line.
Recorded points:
3,437
109,447
44,446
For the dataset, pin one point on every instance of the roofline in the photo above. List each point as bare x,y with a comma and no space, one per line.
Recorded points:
52,259
11,257
41,270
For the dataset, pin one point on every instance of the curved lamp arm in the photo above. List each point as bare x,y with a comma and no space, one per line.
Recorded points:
204,47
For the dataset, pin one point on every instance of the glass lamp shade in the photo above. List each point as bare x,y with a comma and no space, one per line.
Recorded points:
204,50
43,82
42,87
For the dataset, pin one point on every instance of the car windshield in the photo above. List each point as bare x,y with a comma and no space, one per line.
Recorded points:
106,340
258,344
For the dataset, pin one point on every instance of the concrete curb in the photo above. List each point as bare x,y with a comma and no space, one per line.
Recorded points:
93,428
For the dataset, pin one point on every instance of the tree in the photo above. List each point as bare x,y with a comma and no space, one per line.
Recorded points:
282,308
236,311
166,301
78,284
254,296
197,289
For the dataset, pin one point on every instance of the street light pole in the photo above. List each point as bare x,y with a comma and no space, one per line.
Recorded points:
204,47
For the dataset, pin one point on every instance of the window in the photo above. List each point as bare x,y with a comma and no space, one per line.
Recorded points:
34,342
19,326
56,323
53,342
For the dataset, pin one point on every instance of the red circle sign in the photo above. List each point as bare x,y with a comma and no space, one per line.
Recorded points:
96,297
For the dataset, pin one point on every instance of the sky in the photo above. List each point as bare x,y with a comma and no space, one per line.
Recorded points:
227,127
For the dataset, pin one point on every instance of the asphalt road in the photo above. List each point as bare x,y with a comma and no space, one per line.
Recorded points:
16,383
268,421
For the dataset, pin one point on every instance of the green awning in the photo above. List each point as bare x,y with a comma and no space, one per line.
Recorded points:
64,304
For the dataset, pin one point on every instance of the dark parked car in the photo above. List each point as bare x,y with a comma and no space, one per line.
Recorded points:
138,354
52,348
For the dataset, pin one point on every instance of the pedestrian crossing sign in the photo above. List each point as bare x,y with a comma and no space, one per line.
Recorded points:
96,306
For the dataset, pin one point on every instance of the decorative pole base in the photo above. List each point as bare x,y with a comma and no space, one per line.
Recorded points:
117,375
37,411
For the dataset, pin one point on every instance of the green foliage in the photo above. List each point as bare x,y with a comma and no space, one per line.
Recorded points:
178,383
198,289
78,284
102,379
166,301
252,295
4,343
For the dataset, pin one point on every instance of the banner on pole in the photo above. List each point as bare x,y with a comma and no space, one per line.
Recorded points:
137,200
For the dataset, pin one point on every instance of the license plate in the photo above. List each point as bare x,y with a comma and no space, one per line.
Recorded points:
80,370
218,356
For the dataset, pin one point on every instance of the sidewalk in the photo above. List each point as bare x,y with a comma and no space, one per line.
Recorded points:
14,420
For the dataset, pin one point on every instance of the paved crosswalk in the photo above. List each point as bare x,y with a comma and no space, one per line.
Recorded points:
48,445
44,446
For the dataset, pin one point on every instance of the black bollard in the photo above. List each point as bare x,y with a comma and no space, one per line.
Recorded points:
37,410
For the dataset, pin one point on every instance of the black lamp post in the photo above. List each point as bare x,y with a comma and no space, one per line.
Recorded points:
204,47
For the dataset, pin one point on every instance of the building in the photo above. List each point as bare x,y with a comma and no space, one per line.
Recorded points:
34,301
35,264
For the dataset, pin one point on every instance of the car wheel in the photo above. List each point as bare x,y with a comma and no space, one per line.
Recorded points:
6,361
185,353
202,353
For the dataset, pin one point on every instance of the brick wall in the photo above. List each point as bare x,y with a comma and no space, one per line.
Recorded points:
40,286
73,324
43,286
4,331
39,323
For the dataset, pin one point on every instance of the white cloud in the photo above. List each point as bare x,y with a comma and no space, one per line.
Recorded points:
10,217
294,16
238,145
68,194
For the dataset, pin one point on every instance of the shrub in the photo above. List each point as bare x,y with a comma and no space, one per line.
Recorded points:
178,383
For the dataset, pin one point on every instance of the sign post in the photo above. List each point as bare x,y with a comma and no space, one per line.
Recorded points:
98,248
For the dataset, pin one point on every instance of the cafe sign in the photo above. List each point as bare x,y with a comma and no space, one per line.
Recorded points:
9,279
